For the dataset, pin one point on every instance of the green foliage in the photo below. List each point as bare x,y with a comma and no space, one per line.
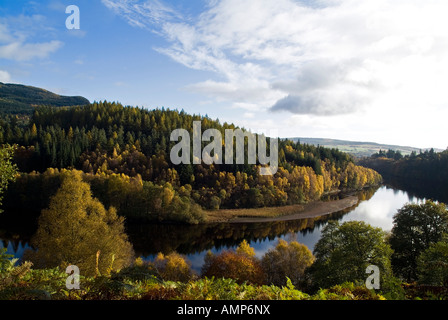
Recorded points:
133,198
8,170
432,264
169,276
428,166
50,284
347,291
6,260
108,139
229,289
345,251
416,227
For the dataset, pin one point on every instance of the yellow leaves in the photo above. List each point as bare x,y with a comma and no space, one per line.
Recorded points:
230,264
173,267
357,177
33,132
76,226
245,249
167,196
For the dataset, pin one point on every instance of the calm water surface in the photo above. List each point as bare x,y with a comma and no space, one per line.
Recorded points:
376,207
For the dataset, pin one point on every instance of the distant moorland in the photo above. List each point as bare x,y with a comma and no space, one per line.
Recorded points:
357,148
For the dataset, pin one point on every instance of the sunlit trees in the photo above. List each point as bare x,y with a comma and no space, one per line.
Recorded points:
173,267
8,169
240,265
112,141
77,229
416,227
344,251
287,260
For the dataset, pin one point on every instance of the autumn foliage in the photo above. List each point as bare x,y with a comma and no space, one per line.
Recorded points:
125,154
240,265
173,267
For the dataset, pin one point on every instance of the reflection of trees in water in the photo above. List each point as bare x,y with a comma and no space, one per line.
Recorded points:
367,193
419,189
15,238
153,238
148,239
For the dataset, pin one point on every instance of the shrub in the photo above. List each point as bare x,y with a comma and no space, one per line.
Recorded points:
240,265
287,260
173,267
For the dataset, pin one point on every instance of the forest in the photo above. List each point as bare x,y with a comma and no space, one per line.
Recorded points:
424,167
123,152
410,262
81,172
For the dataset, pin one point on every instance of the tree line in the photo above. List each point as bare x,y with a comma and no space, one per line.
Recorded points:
121,143
428,166
76,228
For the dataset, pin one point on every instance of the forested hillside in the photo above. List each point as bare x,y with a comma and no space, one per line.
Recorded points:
124,153
428,166
21,99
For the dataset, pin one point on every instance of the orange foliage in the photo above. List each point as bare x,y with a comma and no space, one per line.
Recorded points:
230,264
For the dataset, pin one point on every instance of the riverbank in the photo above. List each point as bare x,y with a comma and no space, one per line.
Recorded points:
284,213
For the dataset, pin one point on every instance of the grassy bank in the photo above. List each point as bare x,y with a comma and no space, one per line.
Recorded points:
283,213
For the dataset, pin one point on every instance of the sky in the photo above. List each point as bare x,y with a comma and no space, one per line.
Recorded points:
361,70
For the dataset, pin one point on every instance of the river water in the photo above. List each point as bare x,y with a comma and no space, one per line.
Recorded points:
376,207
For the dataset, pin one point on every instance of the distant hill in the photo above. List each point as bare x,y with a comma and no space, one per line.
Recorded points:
21,99
357,148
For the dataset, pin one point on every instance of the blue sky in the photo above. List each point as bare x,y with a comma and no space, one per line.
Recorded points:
370,70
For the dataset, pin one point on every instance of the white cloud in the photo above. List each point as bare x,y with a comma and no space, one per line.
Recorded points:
4,34
5,76
142,14
366,58
14,43
20,51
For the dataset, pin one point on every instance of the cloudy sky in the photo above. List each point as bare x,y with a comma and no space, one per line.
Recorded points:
363,70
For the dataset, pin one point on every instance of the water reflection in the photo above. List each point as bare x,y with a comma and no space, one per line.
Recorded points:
376,207
381,207
195,241
420,189
153,238
17,248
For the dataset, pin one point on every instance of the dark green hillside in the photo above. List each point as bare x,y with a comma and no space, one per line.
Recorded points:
429,166
21,99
